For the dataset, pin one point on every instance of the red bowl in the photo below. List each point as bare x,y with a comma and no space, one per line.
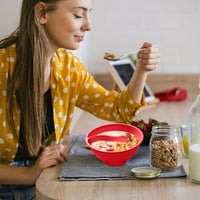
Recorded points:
115,158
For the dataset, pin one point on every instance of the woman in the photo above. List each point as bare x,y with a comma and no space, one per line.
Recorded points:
42,82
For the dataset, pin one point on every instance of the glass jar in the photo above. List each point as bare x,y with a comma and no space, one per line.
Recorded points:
165,147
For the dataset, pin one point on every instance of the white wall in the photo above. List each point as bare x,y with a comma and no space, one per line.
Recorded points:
9,16
123,25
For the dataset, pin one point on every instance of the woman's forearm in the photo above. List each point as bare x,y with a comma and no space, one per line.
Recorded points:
17,175
50,156
136,85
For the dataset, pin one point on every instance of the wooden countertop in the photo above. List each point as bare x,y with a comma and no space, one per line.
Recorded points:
48,186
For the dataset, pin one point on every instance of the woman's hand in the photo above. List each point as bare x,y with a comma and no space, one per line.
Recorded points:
148,58
50,156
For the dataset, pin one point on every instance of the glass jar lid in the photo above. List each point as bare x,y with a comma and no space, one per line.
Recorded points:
146,172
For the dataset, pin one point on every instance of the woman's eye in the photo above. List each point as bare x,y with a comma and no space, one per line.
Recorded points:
77,16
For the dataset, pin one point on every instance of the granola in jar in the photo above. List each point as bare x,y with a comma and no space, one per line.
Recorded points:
165,148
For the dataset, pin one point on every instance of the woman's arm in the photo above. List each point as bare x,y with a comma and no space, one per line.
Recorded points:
50,156
16,175
147,60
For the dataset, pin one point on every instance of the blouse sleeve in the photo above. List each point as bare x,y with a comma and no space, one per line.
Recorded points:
105,104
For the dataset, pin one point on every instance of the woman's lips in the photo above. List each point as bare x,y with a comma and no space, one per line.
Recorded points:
79,38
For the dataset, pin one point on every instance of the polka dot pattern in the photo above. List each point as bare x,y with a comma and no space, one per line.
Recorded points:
2,141
71,85
7,140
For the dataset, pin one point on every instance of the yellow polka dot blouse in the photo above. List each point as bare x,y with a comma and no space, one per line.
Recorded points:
71,85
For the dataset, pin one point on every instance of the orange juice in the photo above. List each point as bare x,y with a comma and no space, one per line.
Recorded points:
186,145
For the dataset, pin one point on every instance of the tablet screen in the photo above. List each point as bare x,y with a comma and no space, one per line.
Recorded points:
125,71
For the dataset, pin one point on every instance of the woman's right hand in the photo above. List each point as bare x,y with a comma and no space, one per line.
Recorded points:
50,156
148,58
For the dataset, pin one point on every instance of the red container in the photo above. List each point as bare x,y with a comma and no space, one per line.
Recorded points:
120,157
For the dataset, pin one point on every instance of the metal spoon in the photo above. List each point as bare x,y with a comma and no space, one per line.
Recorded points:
113,57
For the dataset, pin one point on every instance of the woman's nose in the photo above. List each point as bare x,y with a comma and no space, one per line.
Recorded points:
87,25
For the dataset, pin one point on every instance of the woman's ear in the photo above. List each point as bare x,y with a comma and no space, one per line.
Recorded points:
40,12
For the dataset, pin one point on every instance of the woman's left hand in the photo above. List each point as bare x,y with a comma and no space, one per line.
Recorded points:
148,58
50,156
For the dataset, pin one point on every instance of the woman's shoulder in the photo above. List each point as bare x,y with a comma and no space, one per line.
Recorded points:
10,50
7,56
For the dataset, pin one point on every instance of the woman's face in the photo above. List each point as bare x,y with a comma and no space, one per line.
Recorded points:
66,26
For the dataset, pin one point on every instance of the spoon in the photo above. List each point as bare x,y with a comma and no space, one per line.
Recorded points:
113,57
122,138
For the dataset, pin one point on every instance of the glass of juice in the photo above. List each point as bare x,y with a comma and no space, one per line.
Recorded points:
184,129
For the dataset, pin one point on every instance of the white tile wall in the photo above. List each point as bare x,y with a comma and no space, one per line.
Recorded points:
120,26
9,16
123,25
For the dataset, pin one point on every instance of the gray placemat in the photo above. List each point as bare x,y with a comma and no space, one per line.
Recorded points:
83,165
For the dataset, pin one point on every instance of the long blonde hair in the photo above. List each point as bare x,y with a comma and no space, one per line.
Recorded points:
27,80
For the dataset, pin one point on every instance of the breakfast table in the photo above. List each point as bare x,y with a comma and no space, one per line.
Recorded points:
48,186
